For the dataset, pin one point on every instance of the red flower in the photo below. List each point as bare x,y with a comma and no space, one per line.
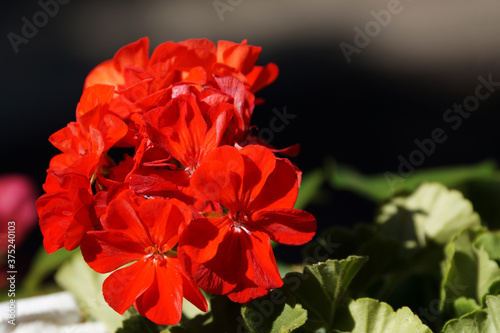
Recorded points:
181,117
230,253
85,142
144,232
187,132
193,60
112,71
142,84
65,211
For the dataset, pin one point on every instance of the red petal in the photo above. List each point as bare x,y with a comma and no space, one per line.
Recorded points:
163,220
286,226
242,112
259,164
222,273
262,273
113,130
219,116
241,263
55,213
104,73
105,251
201,238
166,52
66,139
246,291
197,75
239,56
136,91
122,215
125,285
260,76
180,128
220,176
65,214
149,180
111,71
262,267
290,151
162,301
213,96
201,52
185,139
119,172
135,53
93,97
190,290
280,189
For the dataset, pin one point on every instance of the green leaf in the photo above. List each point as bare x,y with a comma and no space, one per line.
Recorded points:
180,329
138,323
463,305
479,321
321,287
224,316
493,306
176,329
467,270
44,265
86,285
384,259
432,212
371,316
309,188
494,288
387,264
273,314
199,324
491,243
371,187
383,186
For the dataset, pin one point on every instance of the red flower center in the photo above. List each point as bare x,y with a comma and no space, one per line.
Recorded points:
155,253
239,220
239,217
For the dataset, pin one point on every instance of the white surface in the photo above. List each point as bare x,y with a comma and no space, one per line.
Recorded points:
47,327
57,312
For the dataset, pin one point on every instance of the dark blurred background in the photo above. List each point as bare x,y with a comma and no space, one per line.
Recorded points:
364,112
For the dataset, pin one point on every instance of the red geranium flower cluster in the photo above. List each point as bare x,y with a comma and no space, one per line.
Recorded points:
196,199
